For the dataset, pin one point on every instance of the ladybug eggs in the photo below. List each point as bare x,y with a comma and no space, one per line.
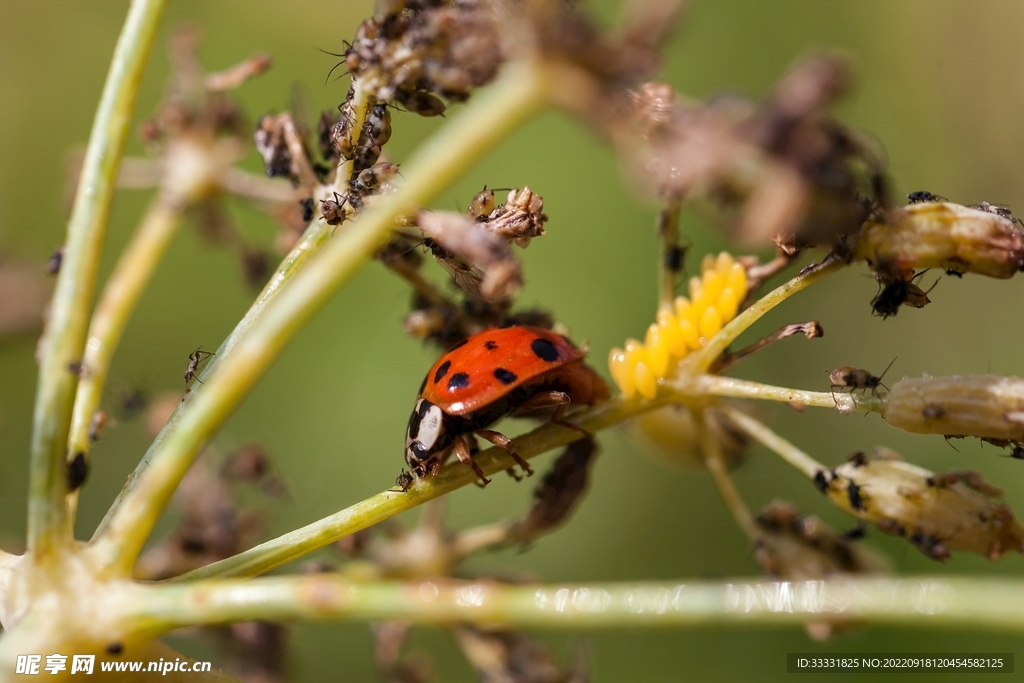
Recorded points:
681,328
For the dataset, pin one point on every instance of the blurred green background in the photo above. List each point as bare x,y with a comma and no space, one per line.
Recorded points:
941,87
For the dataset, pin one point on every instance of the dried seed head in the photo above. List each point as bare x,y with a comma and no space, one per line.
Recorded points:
985,406
519,219
781,171
944,235
936,512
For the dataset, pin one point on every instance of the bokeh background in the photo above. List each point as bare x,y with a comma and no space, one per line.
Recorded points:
941,88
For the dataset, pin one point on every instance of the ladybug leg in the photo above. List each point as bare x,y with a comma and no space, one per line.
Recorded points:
464,455
502,441
554,398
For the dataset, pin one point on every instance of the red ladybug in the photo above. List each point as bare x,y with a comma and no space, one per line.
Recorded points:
521,370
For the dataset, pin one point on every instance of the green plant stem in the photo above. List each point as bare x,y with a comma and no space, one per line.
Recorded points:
738,388
790,453
312,241
366,513
120,296
520,92
919,601
48,518
700,361
299,542
715,462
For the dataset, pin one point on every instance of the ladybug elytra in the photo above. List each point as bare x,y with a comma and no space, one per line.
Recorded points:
522,370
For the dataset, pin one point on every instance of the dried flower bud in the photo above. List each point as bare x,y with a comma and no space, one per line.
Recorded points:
941,235
480,262
653,109
936,512
505,656
796,548
985,406
520,218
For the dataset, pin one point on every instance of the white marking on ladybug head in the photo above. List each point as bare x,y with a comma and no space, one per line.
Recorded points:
425,426
430,427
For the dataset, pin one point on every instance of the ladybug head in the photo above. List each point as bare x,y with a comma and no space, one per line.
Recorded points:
426,436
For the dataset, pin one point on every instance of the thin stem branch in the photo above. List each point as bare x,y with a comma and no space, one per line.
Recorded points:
715,462
519,93
300,161
48,520
919,601
259,188
702,360
729,358
120,296
313,239
741,388
366,513
790,453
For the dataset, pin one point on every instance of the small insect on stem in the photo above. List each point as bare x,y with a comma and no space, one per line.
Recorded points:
194,359
403,482
97,425
855,378
333,210
54,264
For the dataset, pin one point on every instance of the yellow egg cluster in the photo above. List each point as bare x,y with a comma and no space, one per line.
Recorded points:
682,328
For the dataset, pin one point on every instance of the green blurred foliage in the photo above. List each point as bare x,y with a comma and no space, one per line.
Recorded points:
940,86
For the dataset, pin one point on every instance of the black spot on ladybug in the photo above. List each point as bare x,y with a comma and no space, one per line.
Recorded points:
544,349
78,469
458,381
115,648
505,376
490,344
442,371
822,479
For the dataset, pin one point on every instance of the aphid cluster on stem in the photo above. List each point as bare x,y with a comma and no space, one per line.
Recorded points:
680,330
412,54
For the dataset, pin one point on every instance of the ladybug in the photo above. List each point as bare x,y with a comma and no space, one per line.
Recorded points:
497,372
